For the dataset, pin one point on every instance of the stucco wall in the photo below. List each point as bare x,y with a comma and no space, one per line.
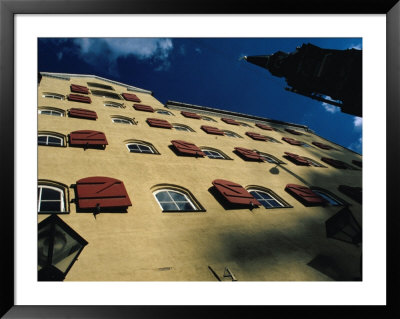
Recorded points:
146,244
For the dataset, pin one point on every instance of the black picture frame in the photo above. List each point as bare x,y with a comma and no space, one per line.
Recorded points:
8,10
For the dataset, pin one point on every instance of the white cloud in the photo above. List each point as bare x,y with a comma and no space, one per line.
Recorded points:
107,50
356,146
357,123
329,107
356,46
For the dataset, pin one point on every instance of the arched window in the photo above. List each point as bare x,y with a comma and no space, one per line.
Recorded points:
50,139
164,112
269,158
267,198
332,199
51,111
51,198
122,120
313,162
171,200
100,86
206,118
53,96
245,124
141,147
231,134
114,104
106,94
213,153
271,139
181,127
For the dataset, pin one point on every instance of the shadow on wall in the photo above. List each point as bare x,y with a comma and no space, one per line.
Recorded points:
334,269
274,254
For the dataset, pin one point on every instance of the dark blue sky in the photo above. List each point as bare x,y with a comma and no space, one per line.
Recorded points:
206,72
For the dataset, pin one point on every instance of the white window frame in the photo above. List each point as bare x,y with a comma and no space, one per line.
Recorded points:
181,127
62,198
271,194
326,194
96,85
47,139
195,208
232,134
221,156
56,96
245,124
113,104
40,111
273,158
271,139
164,112
140,144
313,162
206,118
110,96
126,121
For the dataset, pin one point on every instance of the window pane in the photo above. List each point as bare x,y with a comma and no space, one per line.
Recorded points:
177,196
265,195
145,149
42,139
133,147
169,206
274,203
54,140
163,197
265,203
185,206
255,194
53,206
48,193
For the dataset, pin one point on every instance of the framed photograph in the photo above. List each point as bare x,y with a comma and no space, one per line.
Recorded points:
39,39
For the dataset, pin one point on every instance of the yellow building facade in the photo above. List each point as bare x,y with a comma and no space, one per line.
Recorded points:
247,199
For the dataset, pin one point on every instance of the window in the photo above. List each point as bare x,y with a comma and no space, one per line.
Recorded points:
181,127
330,198
106,94
267,199
173,200
53,96
312,162
51,112
113,104
231,134
51,199
245,124
164,112
122,120
206,118
214,154
305,145
100,86
50,140
269,158
140,148
271,139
